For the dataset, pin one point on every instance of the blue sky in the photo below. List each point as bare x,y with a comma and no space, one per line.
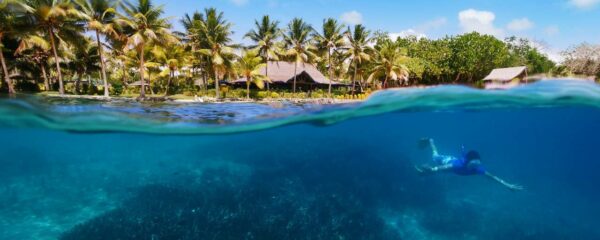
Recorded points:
557,24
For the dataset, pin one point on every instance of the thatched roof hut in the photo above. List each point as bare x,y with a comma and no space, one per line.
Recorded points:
503,78
281,74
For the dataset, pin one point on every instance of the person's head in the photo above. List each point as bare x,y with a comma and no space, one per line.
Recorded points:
473,159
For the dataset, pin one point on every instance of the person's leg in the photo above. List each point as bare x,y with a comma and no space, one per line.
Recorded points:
433,148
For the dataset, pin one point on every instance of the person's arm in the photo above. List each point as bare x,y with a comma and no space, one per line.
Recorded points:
427,169
512,187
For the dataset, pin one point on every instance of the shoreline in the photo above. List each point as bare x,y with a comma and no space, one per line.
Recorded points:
319,101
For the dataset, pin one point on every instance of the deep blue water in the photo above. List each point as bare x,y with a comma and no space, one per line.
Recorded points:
93,170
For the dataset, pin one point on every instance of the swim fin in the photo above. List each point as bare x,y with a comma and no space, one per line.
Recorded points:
424,143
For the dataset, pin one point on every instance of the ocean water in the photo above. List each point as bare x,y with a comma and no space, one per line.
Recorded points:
85,169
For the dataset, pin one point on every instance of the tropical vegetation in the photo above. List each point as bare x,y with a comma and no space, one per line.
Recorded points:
109,47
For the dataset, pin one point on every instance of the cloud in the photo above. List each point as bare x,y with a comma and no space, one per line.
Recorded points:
239,2
584,4
431,25
552,30
421,30
472,20
352,17
407,33
519,25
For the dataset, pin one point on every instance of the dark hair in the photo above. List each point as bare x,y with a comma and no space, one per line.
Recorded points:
472,155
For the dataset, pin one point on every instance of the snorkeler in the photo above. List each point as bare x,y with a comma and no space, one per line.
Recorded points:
467,165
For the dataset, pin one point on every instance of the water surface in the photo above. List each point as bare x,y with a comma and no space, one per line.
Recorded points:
75,169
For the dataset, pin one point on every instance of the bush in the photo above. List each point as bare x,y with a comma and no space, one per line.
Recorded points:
116,88
23,86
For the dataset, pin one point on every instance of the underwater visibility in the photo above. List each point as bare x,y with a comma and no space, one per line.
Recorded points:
88,169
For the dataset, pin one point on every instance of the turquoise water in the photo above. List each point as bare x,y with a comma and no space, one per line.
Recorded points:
75,169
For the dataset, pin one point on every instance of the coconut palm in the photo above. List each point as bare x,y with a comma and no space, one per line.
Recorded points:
173,57
60,20
144,26
215,35
37,50
83,58
265,38
387,63
9,20
330,40
358,48
99,15
249,66
298,44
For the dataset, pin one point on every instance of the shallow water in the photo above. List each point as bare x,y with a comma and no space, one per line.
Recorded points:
91,170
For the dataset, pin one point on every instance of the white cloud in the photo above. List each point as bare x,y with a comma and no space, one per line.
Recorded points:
421,30
552,30
239,2
519,25
433,24
352,17
407,33
472,20
584,4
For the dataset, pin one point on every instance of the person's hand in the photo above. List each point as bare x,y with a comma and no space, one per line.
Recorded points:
515,187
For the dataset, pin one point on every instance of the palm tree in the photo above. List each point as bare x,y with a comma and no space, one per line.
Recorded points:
99,15
84,57
358,48
59,19
173,57
144,26
298,45
194,41
37,50
215,36
265,38
330,40
250,66
8,22
387,63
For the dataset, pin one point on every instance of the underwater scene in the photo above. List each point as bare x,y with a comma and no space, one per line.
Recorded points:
90,169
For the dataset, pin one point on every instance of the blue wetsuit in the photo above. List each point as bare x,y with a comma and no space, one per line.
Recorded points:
459,165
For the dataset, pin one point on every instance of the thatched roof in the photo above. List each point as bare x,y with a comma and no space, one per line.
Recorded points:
137,83
283,72
505,74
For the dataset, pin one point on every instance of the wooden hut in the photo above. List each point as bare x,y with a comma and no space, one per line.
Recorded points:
504,78
281,74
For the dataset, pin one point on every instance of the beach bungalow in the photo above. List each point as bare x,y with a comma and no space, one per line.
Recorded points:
505,78
281,74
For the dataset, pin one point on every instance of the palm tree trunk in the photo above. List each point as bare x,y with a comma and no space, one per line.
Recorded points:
295,73
330,72
102,64
216,84
61,87
385,82
168,83
78,82
361,84
142,84
267,73
248,87
11,89
354,77
44,75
